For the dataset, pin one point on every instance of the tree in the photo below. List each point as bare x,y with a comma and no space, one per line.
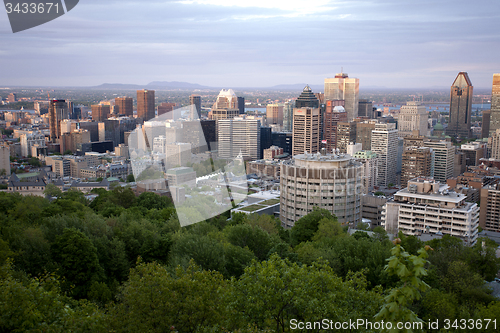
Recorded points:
306,226
130,178
154,300
77,262
410,270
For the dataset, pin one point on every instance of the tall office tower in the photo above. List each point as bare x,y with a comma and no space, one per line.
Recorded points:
426,206
288,116
167,108
460,107
385,145
365,109
489,216
320,97
283,140
331,182
146,104
364,133
494,144
417,162
307,99
58,110
306,123
241,105
266,139
274,114
196,101
343,87
370,168
124,106
239,136
332,115
415,140
306,130
346,133
443,159
100,112
413,117
226,105
209,128
485,124
5,158
495,104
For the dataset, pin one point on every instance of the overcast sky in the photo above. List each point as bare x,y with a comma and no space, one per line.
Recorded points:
257,43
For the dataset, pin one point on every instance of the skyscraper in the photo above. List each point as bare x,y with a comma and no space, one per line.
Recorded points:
460,107
100,112
226,105
58,110
385,145
495,104
343,87
346,133
417,162
306,123
146,104
288,116
196,101
443,159
412,117
124,106
485,124
239,136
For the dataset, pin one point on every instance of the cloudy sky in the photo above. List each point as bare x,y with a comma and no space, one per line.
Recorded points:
257,43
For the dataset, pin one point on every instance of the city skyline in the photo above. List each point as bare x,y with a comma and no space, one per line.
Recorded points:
220,43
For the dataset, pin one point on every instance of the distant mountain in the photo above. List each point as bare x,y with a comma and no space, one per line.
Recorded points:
298,86
151,85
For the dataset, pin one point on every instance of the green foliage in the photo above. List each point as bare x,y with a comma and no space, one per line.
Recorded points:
256,239
305,228
130,178
77,262
151,200
153,300
410,270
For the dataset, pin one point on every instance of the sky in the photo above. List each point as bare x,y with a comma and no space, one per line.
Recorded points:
257,43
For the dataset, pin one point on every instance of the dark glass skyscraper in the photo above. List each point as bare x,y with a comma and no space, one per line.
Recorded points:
307,99
459,125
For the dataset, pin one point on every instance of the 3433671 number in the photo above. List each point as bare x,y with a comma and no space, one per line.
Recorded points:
32,8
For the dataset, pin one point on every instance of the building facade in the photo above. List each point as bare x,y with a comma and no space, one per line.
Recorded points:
124,106
331,182
385,145
417,162
495,104
413,117
146,104
239,135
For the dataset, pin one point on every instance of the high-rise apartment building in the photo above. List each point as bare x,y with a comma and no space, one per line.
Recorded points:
331,182
412,117
124,106
146,104
58,110
443,159
196,101
385,145
346,133
417,162
343,87
100,112
274,114
426,206
460,107
237,136
332,116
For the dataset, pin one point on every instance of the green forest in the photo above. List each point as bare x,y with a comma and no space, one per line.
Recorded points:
122,263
